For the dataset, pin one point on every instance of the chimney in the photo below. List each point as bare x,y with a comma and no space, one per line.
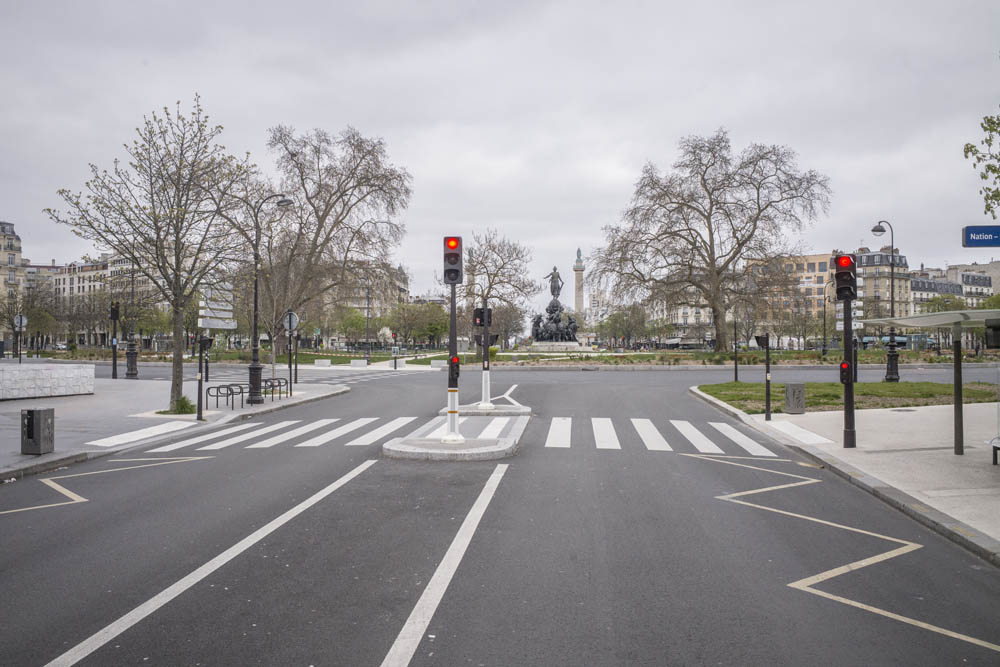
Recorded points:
53,262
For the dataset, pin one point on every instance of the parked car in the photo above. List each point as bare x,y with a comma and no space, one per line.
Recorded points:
60,346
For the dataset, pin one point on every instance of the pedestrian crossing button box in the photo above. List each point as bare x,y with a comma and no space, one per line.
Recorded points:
38,428
795,398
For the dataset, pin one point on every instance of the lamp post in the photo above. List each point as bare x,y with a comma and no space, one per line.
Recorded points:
131,354
256,369
892,361
368,316
828,283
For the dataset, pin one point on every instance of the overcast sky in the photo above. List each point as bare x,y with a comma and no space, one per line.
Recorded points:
532,117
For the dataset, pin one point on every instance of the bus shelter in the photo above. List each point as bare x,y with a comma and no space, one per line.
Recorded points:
956,320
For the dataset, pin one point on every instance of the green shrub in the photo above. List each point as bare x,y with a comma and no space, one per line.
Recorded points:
184,406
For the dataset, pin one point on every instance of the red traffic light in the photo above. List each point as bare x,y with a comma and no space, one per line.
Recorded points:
454,360
845,261
451,242
844,365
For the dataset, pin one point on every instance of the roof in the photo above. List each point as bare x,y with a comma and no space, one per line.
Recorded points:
964,318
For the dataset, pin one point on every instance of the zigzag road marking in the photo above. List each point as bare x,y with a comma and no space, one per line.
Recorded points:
808,583
76,498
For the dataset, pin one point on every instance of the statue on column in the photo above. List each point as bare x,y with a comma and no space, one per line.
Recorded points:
551,327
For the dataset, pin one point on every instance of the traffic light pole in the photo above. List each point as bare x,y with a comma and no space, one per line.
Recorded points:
452,435
850,436
484,401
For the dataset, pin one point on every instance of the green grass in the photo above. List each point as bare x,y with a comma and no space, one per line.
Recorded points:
184,407
749,396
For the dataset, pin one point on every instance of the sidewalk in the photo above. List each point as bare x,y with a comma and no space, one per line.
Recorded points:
905,457
122,414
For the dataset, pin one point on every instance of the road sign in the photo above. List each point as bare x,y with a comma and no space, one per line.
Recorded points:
20,322
981,236
216,310
291,321
216,323
395,350
854,326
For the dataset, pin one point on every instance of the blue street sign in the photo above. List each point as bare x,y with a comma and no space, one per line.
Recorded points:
981,236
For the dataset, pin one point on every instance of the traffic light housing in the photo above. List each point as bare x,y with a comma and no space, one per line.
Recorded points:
453,369
114,311
477,317
845,372
453,260
845,277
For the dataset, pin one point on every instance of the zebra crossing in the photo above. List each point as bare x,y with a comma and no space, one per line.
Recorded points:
685,436
597,433
311,376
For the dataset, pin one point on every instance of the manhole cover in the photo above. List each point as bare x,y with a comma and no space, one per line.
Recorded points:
904,410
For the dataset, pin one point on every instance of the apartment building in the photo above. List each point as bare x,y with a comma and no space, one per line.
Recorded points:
883,282
13,272
923,288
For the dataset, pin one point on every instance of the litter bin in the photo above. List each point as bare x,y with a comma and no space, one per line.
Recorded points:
38,428
795,398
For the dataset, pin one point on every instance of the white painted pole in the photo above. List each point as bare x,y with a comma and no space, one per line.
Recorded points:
484,402
452,435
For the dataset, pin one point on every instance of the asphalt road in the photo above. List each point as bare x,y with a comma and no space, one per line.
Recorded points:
584,555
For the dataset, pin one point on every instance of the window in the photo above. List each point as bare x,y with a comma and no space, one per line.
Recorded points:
800,267
10,277
822,267
819,280
10,260
812,267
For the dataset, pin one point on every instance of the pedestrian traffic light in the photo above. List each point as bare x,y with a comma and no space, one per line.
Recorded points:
845,276
453,260
845,372
453,370
477,317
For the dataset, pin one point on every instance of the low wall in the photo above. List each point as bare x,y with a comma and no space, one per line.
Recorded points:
40,380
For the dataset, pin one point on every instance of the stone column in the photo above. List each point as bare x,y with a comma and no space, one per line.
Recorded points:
578,284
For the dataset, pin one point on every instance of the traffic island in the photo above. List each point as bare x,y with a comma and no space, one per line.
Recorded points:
485,440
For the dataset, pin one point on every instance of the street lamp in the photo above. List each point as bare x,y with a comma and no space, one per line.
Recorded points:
892,361
828,283
256,369
368,315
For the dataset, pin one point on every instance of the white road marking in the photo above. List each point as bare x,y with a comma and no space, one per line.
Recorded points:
559,432
380,432
651,437
800,434
604,433
426,428
324,438
203,438
495,427
696,437
741,439
285,437
141,434
109,632
410,636
248,436
443,427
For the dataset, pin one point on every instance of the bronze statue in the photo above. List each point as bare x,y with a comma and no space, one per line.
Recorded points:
555,283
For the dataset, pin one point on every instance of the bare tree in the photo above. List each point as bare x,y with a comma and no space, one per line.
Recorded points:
687,232
160,211
498,272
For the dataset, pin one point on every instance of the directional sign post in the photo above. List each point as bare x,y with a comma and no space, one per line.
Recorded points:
981,236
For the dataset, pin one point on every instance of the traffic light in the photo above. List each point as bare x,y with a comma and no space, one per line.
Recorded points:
477,317
393,336
453,260
453,369
489,317
845,276
114,311
845,372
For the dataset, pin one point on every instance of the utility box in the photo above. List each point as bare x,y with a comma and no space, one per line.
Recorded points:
38,429
795,398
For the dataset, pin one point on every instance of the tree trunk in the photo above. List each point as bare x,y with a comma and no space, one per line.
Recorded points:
719,322
177,371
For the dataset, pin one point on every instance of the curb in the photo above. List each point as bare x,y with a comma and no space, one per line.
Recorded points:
958,532
497,411
422,449
37,467
702,367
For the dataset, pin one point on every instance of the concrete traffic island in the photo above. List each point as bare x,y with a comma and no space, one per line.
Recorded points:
490,443
509,408
40,380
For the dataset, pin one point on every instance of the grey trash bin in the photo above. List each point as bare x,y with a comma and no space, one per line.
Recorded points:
795,398
38,427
